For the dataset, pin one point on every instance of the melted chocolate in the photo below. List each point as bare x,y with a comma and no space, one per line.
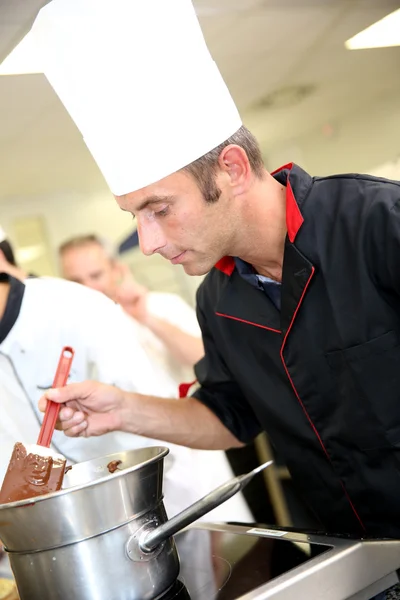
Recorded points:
30,475
113,465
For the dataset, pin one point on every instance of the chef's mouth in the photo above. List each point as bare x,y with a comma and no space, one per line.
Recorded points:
178,258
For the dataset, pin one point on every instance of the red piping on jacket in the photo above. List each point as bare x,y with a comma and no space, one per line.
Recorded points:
301,403
248,322
184,388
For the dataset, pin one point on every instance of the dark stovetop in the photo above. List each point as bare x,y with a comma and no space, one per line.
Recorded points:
254,561
177,592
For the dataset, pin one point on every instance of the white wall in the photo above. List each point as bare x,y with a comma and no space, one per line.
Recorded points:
390,169
361,142
69,214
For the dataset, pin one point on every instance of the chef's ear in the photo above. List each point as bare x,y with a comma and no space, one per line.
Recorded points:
234,161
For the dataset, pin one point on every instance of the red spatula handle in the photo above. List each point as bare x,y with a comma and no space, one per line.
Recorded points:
53,408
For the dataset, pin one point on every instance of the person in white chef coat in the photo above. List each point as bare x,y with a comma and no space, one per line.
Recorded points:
38,317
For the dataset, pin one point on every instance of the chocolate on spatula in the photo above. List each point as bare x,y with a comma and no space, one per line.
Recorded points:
33,471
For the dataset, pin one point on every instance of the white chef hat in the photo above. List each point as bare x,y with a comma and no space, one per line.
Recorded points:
138,80
3,235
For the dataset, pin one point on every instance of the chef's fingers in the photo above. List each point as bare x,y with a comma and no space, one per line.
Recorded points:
66,413
69,415
73,429
73,391
42,403
73,405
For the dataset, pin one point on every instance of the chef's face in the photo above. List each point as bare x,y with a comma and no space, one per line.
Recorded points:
90,266
175,220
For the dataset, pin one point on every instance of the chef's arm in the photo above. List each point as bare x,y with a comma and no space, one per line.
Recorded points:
186,348
94,408
186,422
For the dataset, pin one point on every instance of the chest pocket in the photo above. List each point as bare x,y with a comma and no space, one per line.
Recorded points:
367,379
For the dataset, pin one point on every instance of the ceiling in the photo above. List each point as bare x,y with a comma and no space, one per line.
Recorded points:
16,18
283,60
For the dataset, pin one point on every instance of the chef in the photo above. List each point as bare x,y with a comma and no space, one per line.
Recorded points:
300,314
38,317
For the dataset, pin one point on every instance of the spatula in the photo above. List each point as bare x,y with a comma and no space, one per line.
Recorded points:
36,469
53,408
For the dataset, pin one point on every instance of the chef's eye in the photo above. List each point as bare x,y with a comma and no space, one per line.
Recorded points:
163,212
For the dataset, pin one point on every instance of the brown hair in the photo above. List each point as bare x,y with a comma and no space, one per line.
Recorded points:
78,242
204,169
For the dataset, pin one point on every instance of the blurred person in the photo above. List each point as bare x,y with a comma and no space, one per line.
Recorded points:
87,260
38,318
170,329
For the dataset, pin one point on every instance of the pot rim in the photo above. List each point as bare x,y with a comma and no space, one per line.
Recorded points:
163,451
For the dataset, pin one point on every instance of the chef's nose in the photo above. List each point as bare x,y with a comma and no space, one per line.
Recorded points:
151,237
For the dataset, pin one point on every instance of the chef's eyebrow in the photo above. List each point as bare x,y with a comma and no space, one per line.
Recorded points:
153,199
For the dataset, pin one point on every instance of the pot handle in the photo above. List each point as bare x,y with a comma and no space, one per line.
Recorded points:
149,540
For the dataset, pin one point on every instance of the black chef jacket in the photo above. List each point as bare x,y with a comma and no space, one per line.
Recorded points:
321,376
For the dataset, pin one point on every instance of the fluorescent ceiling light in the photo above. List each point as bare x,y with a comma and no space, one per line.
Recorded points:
382,34
22,60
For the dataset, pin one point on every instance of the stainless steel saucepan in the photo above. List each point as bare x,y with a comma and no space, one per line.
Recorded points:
105,535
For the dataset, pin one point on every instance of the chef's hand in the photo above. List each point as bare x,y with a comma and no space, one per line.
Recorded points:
90,408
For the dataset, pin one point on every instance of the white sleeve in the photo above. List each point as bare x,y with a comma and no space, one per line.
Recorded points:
173,309
9,433
17,421
6,447
115,352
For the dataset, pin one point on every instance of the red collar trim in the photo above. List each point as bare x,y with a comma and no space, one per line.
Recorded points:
294,220
226,265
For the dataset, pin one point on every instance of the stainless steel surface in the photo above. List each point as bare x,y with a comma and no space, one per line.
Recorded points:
72,543
83,541
92,502
150,539
96,568
133,549
348,570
